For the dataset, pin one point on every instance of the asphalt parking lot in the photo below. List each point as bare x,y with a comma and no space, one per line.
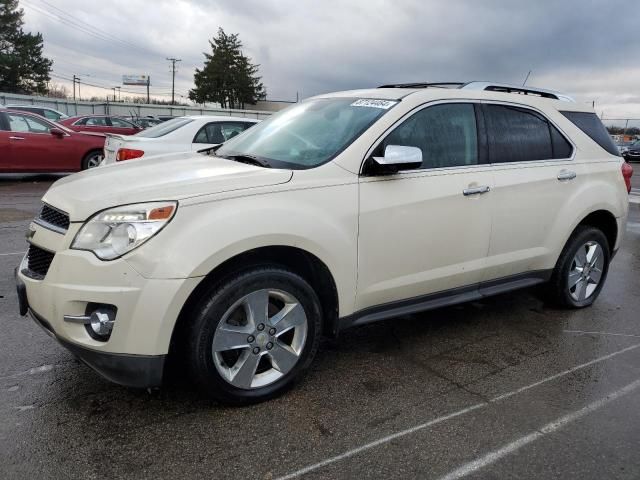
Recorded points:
504,388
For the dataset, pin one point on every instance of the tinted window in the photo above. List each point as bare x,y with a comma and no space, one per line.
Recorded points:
446,134
590,124
522,135
96,122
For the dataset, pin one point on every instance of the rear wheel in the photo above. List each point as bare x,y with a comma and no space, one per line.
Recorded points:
581,269
92,159
254,336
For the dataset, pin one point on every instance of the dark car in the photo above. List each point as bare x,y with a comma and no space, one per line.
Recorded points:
31,143
632,154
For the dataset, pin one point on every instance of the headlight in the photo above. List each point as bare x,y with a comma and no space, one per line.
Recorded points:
114,232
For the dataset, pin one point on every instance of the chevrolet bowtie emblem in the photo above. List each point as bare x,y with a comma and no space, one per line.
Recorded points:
31,232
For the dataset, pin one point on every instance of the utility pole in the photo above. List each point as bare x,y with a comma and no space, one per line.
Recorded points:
148,84
74,86
173,78
118,94
114,93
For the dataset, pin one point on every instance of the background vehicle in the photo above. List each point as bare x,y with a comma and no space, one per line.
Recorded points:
30,143
101,124
48,113
632,152
177,135
343,209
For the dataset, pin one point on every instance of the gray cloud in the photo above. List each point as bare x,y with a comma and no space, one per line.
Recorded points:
582,47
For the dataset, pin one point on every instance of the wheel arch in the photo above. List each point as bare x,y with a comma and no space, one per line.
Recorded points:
300,261
604,221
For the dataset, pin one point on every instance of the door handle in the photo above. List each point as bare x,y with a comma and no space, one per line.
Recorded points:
16,138
566,175
476,190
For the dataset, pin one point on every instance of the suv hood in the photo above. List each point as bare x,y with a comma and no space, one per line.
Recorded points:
167,177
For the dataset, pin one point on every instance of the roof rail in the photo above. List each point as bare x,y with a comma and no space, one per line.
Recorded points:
487,86
424,85
519,89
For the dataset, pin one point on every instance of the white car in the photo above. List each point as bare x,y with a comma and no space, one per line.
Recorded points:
180,134
344,209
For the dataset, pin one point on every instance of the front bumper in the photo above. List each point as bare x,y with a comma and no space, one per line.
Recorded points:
147,310
141,371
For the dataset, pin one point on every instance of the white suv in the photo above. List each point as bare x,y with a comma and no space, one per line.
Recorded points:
344,209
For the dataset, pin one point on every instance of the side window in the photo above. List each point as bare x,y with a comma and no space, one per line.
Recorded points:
210,133
230,130
26,124
446,134
118,122
522,135
96,122
51,115
590,124
82,121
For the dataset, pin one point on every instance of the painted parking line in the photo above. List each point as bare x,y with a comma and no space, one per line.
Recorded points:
496,455
11,253
582,332
435,421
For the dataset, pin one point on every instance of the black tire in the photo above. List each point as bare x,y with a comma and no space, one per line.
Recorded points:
90,158
207,314
558,291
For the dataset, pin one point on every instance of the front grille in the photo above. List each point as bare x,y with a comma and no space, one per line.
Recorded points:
38,262
54,217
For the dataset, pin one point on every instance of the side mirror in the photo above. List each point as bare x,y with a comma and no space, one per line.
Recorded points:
56,132
400,155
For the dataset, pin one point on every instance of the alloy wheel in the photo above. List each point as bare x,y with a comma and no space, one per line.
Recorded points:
260,338
586,271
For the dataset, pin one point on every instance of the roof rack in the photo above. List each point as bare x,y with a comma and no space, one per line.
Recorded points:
519,89
424,85
488,86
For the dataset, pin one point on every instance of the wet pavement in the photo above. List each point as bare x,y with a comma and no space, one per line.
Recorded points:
504,388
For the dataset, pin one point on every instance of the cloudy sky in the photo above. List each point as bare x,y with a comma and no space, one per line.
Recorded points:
586,48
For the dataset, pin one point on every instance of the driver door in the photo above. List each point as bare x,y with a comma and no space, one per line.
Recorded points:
423,231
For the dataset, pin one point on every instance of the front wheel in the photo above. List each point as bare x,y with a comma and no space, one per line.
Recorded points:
581,269
252,337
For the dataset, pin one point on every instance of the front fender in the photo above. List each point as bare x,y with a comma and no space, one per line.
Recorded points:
321,221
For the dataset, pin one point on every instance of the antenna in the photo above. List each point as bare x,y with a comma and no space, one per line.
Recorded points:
526,78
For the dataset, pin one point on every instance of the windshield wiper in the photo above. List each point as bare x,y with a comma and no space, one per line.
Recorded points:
248,159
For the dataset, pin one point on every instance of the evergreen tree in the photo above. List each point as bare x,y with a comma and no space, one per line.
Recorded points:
23,69
228,76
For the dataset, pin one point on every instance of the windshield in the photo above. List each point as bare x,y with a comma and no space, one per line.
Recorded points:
164,128
307,134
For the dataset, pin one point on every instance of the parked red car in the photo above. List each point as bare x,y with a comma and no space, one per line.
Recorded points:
31,143
101,124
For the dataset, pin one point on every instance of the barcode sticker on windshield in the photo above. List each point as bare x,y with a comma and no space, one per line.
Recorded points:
374,103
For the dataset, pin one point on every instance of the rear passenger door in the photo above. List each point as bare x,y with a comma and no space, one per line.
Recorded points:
534,174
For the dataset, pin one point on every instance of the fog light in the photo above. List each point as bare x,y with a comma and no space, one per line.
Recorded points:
101,323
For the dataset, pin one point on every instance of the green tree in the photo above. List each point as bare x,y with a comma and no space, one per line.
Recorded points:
23,68
228,77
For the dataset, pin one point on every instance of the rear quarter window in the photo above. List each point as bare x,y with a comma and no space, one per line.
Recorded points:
590,124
